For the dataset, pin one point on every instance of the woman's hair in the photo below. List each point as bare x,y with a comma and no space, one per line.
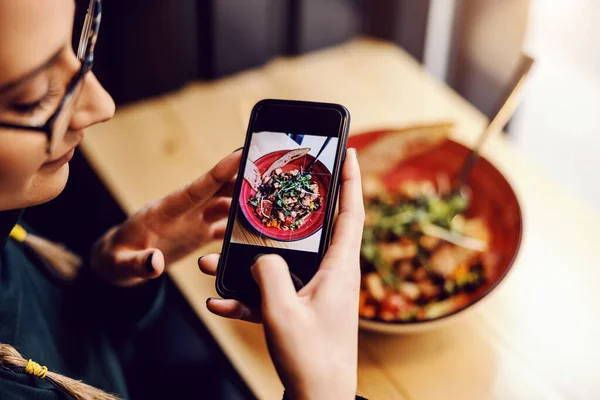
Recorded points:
65,265
13,360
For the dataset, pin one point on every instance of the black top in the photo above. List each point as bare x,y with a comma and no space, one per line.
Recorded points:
67,328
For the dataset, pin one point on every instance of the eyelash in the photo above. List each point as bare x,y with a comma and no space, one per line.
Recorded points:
38,105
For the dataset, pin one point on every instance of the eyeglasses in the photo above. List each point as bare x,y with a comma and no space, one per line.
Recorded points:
56,126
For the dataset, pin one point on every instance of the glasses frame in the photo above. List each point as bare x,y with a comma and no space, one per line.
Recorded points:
85,54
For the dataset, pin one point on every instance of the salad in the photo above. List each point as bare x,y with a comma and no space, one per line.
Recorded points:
284,200
422,256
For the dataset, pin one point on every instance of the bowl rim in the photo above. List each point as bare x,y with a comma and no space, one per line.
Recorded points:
493,286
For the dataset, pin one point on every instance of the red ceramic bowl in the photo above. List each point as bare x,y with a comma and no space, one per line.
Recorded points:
313,222
493,199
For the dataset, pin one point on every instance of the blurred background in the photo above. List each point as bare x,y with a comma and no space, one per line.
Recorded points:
149,48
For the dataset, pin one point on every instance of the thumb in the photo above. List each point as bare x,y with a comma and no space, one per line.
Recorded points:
147,263
272,275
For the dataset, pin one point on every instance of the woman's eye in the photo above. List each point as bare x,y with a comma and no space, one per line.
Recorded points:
46,101
27,108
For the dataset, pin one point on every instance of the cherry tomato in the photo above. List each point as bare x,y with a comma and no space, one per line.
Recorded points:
393,303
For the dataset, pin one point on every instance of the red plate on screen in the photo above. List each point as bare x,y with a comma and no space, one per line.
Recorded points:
313,222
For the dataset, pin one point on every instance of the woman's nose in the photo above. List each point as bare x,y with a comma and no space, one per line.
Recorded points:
94,104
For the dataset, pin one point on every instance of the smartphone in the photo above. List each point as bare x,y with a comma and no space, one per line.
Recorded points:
285,194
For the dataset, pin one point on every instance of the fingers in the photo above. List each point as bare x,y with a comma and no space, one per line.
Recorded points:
347,234
202,189
229,308
208,264
146,264
226,308
272,275
219,228
216,209
227,189
298,284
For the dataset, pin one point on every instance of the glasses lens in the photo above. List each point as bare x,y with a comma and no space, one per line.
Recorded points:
87,25
63,119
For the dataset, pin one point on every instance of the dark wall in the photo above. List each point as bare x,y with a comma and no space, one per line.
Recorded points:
403,22
148,47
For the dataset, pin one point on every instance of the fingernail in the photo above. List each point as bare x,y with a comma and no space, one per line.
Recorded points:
149,266
238,149
254,260
253,272
353,151
210,298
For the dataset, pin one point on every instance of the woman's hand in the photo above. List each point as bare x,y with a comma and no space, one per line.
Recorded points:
313,334
168,229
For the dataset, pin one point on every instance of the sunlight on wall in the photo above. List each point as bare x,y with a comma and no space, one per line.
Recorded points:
558,125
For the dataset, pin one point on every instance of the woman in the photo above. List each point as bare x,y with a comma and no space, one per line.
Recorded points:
48,96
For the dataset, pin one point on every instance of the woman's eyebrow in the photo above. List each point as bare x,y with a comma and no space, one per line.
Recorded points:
32,73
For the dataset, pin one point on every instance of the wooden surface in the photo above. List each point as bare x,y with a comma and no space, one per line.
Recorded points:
535,337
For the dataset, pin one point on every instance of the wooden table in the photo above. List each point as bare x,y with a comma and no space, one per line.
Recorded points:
535,337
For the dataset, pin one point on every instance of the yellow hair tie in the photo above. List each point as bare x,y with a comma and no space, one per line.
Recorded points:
18,233
36,369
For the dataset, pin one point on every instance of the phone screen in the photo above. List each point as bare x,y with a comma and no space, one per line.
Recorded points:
284,202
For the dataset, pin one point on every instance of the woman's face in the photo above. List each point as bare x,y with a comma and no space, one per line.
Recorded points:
36,63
